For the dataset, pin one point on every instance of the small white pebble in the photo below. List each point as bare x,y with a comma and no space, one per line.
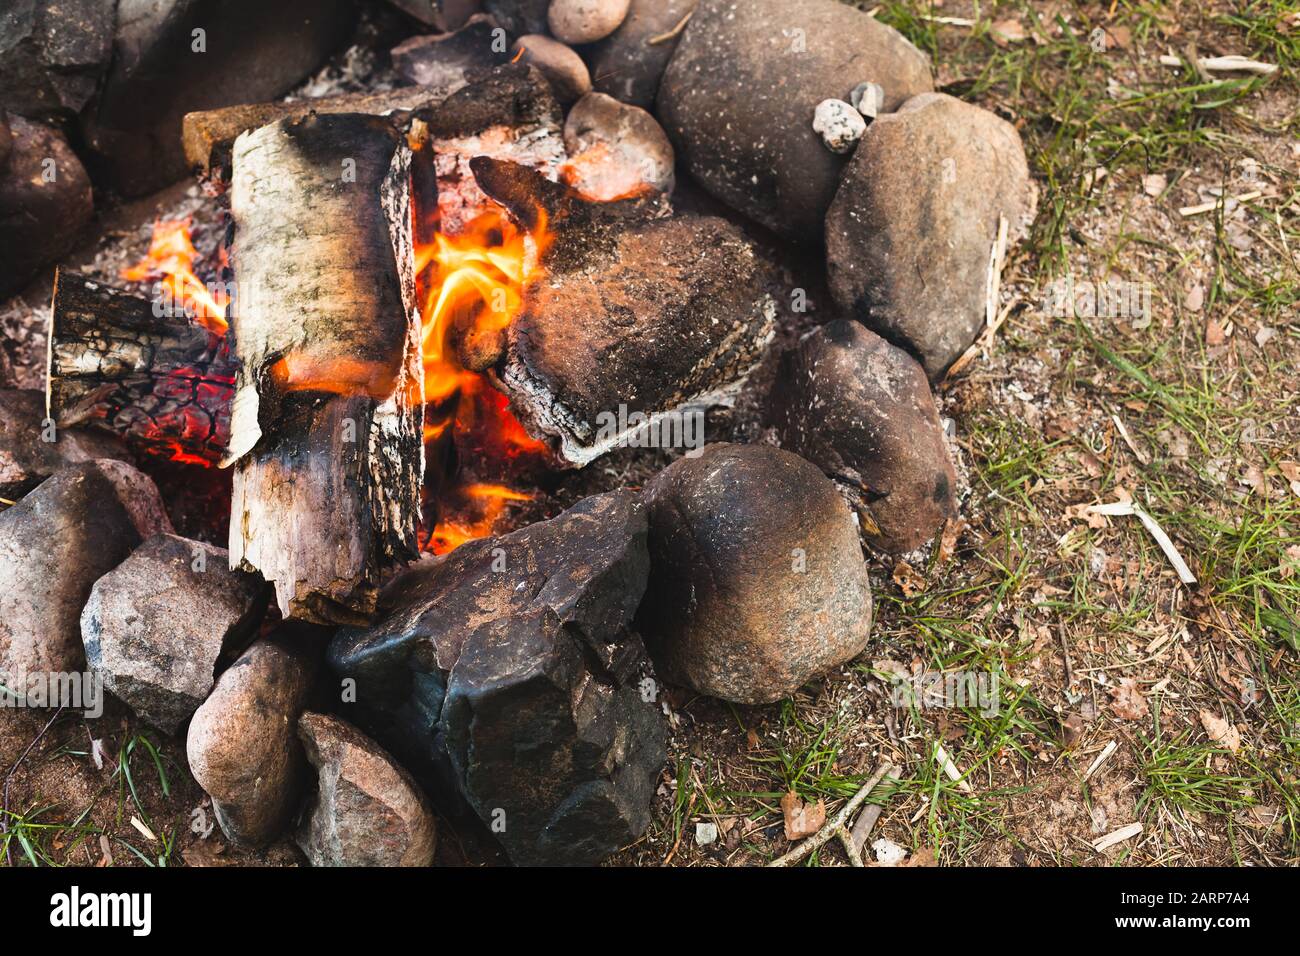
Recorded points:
839,125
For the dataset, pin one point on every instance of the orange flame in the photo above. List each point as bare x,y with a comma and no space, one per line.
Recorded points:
490,503
475,290
170,260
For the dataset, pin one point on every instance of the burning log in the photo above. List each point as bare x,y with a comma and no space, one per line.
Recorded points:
163,383
633,316
327,420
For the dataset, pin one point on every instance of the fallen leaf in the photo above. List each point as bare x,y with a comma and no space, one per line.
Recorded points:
923,857
952,530
1072,729
1221,732
1290,562
801,819
1195,298
1291,472
1127,700
908,579
1118,36
1084,512
1008,31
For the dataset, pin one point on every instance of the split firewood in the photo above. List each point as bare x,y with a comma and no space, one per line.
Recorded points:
209,134
327,419
164,383
603,348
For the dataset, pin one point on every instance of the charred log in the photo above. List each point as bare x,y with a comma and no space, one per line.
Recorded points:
327,419
163,383
639,314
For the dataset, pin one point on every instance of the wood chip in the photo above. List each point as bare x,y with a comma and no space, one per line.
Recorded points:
1118,836
144,830
1102,757
955,775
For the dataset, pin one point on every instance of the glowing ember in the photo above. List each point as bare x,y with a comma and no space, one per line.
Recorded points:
473,293
601,174
170,261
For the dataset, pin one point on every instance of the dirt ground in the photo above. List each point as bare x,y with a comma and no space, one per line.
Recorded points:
1117,694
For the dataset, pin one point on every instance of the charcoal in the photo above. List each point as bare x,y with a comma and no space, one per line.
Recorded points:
449,60
636,312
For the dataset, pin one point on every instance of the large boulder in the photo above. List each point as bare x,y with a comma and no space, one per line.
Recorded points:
45,202
54,545
739,95
506,676
626,65
27,458
909,235
157,625
861,410
172,57
365,810
52,55
757,581
243,746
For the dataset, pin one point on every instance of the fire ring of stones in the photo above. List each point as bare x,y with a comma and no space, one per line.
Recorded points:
439,312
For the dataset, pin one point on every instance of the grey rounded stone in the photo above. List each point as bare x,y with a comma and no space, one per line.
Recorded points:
156,626
561,66
757,580
585,21
243,746
738,96
909,235
626,65
861,410
615,150
55,544
366,810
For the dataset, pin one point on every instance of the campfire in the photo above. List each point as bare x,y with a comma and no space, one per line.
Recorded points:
449,345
